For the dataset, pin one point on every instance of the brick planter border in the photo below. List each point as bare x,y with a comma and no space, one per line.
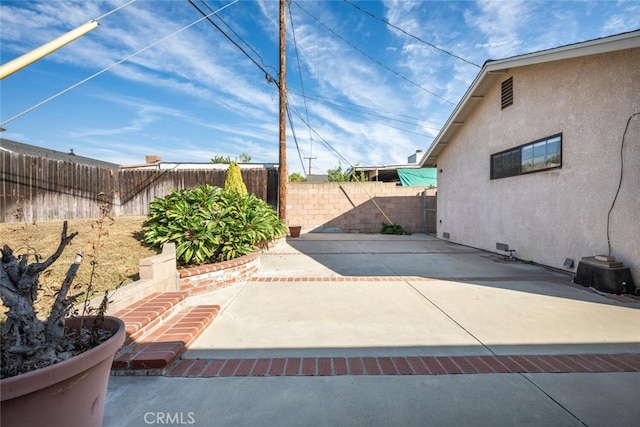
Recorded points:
204,278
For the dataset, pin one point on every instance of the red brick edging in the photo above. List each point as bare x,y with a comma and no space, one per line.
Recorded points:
204,278
157,337
154,351
411,365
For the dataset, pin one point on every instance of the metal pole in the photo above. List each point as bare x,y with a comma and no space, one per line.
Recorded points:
44,50
425,213
310,158
282,168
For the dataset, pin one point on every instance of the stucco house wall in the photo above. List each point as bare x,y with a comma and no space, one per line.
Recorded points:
562,213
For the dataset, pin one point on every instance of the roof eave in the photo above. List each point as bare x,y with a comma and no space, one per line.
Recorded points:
493,69
387,167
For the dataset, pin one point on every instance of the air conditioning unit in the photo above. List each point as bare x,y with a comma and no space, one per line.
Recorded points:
604,273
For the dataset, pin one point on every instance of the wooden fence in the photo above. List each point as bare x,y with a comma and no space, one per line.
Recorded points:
139,187
46,189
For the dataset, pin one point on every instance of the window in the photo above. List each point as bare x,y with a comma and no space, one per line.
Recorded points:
536,156
507,93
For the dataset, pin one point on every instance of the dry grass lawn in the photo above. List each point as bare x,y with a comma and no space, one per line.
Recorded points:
116,252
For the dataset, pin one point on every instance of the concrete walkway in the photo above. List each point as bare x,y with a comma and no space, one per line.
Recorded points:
344,329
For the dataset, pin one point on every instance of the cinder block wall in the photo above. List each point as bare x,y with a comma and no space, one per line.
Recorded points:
356,207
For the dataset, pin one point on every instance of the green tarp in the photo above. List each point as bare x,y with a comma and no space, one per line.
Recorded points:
423,177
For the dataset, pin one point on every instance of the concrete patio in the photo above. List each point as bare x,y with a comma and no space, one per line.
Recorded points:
370,322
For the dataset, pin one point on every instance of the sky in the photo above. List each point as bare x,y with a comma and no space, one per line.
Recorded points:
368,82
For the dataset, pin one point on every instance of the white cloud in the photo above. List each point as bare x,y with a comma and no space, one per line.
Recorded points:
500,22
342,72
196,94
620,22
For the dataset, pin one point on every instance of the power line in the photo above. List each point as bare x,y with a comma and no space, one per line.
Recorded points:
269,77
240,37
341,157
328,145
295,138
311,130
114,10
364,115
409,34
322,140
372,58
372,113
304,98
51,98
262,68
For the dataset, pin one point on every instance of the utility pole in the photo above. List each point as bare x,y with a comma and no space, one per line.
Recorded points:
282,168
310,158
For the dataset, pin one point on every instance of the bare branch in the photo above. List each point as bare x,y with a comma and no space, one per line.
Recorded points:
38,267
55,321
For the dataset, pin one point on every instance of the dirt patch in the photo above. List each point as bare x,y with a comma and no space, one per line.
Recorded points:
118,251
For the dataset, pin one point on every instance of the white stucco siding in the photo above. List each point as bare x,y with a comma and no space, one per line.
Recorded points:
552,215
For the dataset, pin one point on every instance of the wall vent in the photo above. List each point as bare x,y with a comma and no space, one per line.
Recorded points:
445,235
505,248
507,93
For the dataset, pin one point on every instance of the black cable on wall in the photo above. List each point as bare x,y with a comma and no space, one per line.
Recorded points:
624,134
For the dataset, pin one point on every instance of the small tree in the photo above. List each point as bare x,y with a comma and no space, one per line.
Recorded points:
225,160
296,177
339,175
244,158
233,181
359,176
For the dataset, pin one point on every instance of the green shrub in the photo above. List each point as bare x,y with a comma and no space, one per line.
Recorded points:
393,229
233,180
209,224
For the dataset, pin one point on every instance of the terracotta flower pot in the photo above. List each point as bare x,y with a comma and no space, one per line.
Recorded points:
294,230
69,393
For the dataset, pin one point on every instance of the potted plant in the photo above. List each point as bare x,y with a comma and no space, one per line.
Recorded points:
54,370
294,230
